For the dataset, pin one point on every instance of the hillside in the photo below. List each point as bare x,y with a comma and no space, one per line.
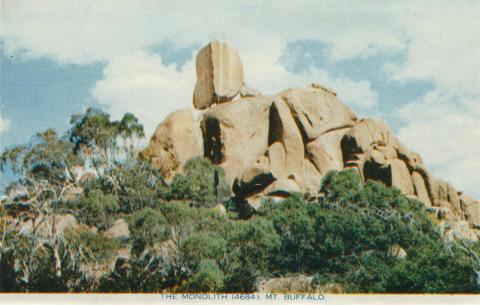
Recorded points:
248,192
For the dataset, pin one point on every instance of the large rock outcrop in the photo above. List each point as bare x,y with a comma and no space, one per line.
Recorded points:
272,146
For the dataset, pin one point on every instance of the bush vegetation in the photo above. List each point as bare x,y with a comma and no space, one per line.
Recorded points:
179,241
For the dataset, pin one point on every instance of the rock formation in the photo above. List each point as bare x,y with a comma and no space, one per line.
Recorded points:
219,75
174,142
275,145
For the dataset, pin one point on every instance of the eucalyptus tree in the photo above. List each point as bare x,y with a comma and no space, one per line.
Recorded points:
44,172
95,135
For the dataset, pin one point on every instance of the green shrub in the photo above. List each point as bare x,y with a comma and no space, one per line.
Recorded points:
342,187
179,241
240,279
202,183
100,246
252,244
433,269
345,239
207,278
96,209
201,246
138,185
147,226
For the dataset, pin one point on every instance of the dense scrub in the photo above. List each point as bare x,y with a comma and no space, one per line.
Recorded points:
181,240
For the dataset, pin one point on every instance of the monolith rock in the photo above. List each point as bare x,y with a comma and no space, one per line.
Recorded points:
277,145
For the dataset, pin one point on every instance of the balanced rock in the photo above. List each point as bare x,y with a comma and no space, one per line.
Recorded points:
219,75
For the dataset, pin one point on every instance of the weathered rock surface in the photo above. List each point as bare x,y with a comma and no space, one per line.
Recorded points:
460,230
397,252
119,229
317,111
367,134
420,188
247,91
472,210
325,151
282,188
439,191
219,75
252,181
295,284
400,177
284,130
273,146
176,140
378,155
235,134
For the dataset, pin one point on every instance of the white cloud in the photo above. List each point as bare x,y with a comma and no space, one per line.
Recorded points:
443,47
4,124
88,31
439,38
141,84
76,31
444,125
358,95
447,135
263,71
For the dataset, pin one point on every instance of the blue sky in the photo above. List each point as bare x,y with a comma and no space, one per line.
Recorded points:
415,65
39,94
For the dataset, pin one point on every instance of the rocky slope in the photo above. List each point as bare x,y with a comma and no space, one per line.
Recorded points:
279,144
